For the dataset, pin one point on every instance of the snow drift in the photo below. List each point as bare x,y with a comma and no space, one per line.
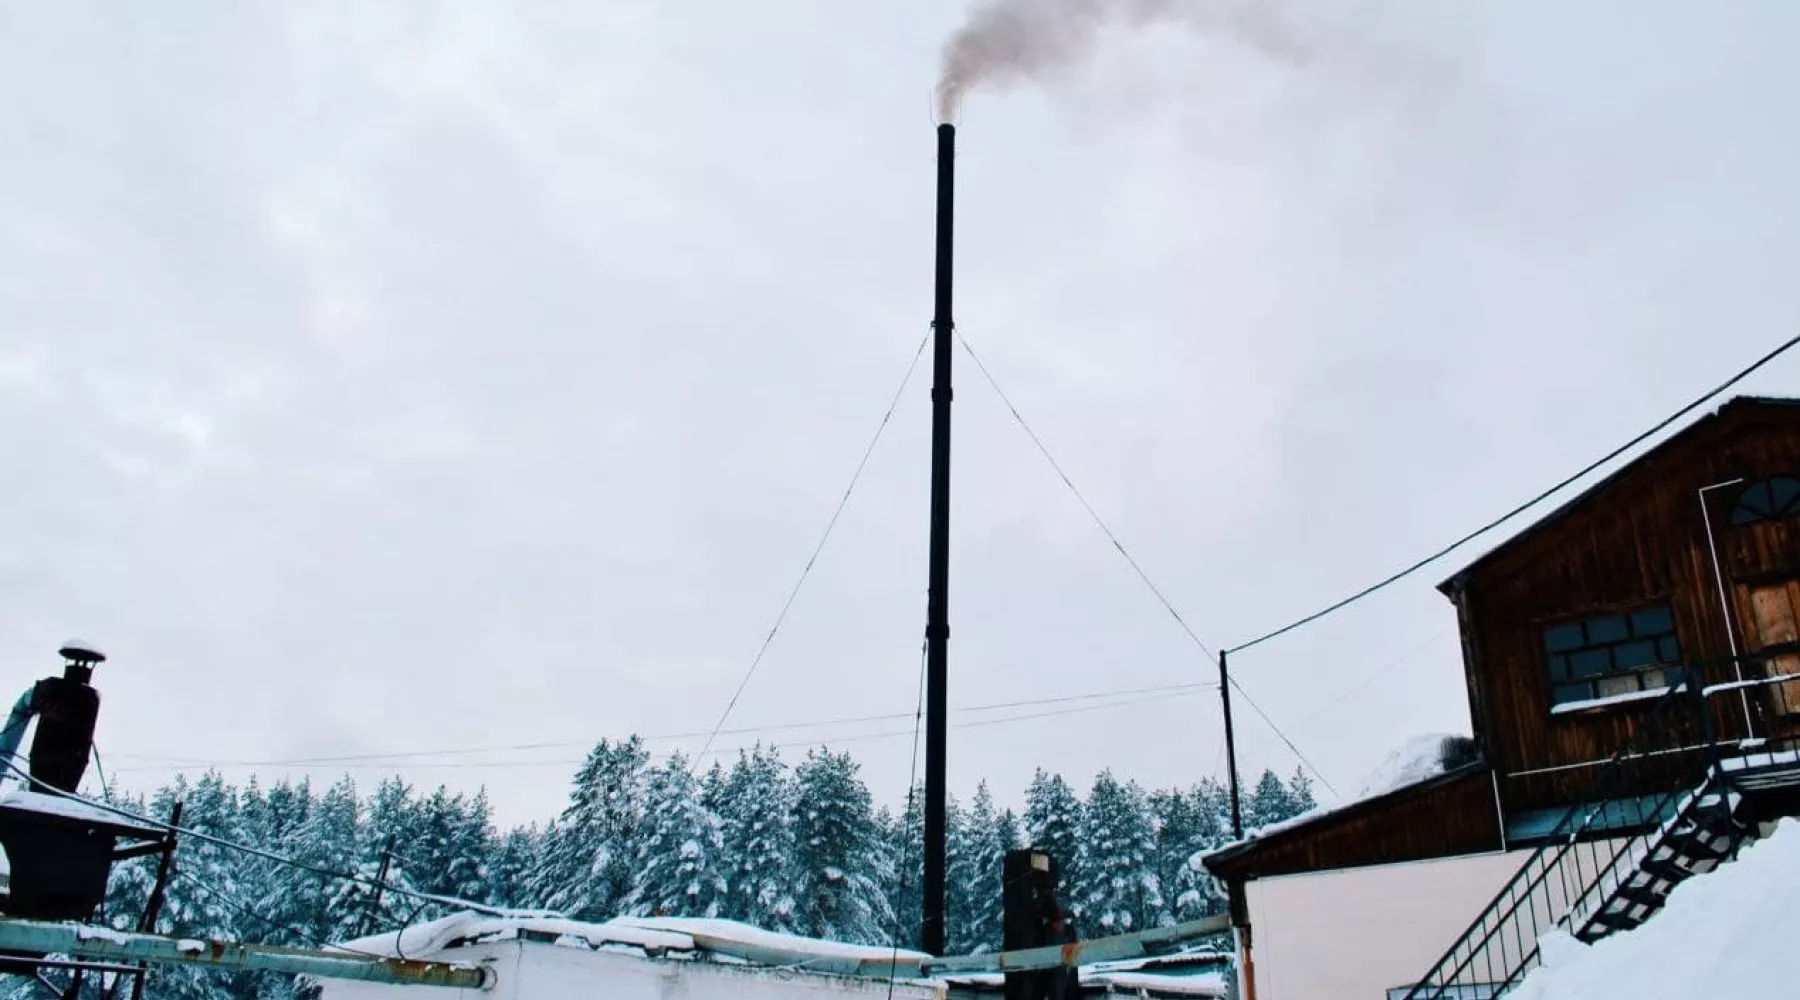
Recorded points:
1726,934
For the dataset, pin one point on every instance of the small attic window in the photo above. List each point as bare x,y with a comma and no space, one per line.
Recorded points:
1767,500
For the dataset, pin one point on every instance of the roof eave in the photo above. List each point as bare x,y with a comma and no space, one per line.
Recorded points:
1456,582
1254,844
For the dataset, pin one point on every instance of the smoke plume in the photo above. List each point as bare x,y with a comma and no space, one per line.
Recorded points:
1005,41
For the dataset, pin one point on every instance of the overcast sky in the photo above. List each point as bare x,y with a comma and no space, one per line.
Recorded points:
380,378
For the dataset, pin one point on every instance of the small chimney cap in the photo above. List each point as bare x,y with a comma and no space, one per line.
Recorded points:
81,652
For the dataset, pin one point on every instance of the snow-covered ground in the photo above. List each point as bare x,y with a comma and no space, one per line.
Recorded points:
1724,935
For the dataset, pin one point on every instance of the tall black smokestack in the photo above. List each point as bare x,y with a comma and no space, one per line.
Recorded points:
937,620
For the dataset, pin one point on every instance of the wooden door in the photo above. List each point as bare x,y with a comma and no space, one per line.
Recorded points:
1775,621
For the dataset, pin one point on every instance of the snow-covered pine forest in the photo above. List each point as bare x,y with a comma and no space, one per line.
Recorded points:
791,847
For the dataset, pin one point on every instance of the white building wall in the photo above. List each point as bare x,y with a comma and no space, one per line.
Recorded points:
1354,933
539,971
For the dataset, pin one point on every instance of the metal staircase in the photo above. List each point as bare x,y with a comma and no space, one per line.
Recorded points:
1706,832
1612,861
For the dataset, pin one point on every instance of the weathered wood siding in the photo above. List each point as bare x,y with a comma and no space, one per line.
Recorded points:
1455,817
1639,538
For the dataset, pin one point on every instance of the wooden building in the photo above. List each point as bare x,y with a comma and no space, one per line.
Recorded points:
1673,568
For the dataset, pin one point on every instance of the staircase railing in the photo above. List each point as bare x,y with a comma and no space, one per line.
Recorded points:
1674,753
1591,850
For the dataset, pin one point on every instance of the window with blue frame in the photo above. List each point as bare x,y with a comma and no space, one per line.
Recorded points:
1609,655
1767,500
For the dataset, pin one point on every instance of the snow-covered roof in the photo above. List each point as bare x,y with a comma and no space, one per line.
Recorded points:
729,935
467,928
1211,984
545,956
684,941
73,809
1156,977
1419,760
688,945
1163,975
1723,934
650,935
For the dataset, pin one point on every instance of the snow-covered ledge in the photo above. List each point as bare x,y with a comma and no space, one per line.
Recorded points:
1650,694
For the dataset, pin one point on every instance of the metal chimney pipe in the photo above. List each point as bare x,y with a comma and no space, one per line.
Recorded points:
937,620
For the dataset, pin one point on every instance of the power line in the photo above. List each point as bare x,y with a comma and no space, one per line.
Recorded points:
1310,766
825,536
820,723
1520,509
1092,513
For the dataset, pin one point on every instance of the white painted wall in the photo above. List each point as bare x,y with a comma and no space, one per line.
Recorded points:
1354,933
537,971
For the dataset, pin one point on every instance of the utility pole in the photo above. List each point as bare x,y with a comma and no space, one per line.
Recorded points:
373,913
937,603
1237,809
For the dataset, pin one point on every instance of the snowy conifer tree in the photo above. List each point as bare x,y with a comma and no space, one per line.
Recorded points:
449,845
1300,790
204,899
837,874
515,855
199,902
679,854
791,852
377,900
302,900
1186,826
713,789
906,851
757,815
128,891
1271,802
589,870
1008,833
888,845
960,875
1053,819
1119,891
1213,798
392,812
981,836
